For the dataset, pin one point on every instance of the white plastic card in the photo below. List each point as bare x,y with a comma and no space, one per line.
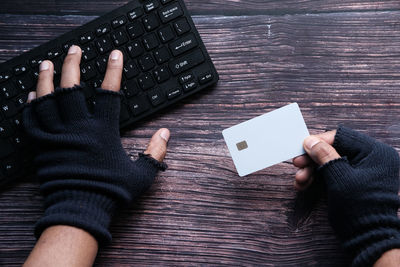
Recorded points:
267,140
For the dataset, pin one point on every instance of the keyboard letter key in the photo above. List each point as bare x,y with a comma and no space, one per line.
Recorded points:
186,62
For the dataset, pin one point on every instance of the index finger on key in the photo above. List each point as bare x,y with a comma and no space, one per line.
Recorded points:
112,79
71,73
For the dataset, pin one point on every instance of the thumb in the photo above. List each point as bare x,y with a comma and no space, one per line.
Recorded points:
320,151
157,147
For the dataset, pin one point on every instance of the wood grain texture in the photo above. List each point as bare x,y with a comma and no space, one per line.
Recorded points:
341,68
225,7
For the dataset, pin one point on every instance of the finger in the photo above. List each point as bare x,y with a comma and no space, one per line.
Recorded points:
157,147
31,96
319,151
302,161
112,79
304,175
45,84
328,137
71,73
302,187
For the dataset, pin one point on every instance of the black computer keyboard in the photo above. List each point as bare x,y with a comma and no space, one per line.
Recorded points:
165,61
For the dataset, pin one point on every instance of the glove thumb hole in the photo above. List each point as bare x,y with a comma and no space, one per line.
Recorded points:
320,151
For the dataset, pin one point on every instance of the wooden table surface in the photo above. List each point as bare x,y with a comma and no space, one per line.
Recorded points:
340,60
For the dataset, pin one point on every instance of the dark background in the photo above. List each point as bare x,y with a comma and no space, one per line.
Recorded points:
340,60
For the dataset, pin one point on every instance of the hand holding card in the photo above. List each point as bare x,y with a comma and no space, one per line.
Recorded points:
267,140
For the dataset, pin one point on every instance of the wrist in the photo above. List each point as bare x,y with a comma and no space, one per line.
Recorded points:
89,211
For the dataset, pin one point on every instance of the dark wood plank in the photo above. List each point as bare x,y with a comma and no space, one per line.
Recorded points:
340,68
240,7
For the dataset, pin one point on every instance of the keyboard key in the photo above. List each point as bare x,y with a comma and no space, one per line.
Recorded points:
146,81
183,44
119,38
8,90
25,82
150,22
186,62
135,49
88,52
205,78
21,100
165,1
4,76
18,70
135,30
136,13
151,5
139,105
187,77
124,54
97,83
146,62
68,44
85,38
131,70
6,129
17,121
166,34
174,92
103,29
118,22
19,140
57,63
10,166
170,12
162,55
189,86
130,89
150,42
104,45
6,148
88,71
53,53
161,74
156,97
181,26
34,62
101,63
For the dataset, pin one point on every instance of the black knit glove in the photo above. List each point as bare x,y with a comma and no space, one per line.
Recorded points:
363,196
80,162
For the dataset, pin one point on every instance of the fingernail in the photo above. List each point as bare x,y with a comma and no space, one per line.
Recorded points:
165,135
44,66
31,96
311,141
115,55
73,50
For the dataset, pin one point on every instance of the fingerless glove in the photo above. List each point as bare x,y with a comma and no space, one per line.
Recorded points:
82,167
363,197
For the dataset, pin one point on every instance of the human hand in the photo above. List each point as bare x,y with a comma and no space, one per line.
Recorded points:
83,169
319,151
362,189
